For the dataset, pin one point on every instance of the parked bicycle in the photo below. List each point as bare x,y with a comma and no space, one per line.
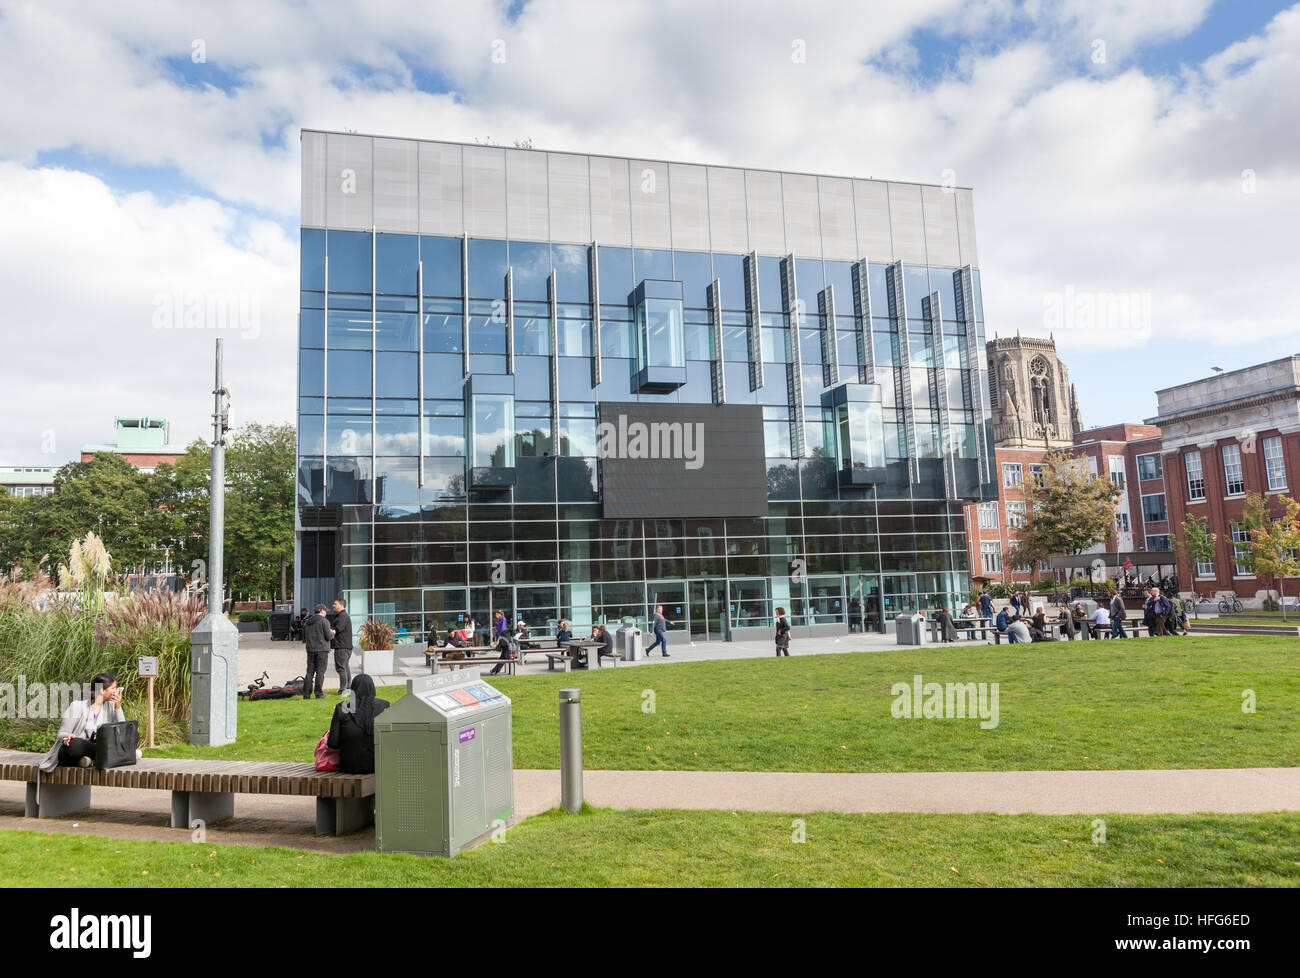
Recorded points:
1229,604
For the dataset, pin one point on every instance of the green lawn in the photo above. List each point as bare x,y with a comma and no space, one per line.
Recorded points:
675,848
1140,703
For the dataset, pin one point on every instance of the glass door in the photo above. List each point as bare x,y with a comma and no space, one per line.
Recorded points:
485,602
864,603
707,610
900,595
749,604
672,595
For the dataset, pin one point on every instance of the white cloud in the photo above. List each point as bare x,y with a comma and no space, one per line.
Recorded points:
1101,181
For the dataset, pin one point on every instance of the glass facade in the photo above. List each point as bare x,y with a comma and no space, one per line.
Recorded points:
393,434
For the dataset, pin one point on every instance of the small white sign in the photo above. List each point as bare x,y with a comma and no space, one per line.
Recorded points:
148,665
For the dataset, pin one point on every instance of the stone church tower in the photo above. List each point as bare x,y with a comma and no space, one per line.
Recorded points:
1034,403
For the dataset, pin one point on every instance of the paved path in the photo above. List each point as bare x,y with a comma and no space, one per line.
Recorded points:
284,660
264,820
1005,792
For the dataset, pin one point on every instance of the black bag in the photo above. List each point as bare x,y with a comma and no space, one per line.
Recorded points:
289,690
116,744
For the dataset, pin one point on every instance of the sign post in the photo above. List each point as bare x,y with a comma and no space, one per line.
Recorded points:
148,670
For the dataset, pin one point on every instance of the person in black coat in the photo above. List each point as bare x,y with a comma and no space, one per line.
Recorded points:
317,634
342,645
352,729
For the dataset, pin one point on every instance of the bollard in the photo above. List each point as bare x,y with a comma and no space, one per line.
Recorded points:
571,750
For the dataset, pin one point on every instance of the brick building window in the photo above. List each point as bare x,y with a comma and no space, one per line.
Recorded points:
1013,475
1232,476
1274,466
1150,467
988,516
991,557
1153,508
1195,477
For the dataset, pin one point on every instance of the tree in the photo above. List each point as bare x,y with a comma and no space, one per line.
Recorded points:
1275,545
1068,510
260,468
1194,546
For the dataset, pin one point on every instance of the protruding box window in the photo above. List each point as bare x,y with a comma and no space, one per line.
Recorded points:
660,336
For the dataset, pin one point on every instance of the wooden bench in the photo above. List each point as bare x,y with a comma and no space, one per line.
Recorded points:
531,645
962,625
442,651
200,789
467,661
562,659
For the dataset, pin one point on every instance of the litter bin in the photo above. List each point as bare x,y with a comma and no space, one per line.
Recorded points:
280,621
444,771
627,643
910,629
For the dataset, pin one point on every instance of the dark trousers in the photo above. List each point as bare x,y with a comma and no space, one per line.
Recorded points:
75,750
661,639
341,657
783,649
316,668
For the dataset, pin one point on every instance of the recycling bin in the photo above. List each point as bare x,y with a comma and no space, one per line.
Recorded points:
627,643
910,629
444,771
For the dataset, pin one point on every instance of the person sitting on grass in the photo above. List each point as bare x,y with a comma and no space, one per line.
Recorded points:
352,728
75,744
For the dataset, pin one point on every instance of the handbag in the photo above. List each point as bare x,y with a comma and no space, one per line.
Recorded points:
327,758
116,745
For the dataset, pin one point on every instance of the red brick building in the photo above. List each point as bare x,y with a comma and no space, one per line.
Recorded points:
1223,437
141,441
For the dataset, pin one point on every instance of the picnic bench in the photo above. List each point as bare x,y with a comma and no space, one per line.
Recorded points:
441,652
543,644
586,645
962,625
449,663
200,789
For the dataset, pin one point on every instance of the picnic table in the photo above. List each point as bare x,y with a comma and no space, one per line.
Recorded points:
430,658
579,648
542,643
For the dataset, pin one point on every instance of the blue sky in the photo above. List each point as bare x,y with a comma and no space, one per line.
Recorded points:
135,177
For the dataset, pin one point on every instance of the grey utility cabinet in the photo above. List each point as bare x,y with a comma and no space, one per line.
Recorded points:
444,771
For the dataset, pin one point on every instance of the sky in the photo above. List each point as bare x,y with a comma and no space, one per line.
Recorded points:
1135,165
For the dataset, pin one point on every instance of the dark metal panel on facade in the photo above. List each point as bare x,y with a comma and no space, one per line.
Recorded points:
715,313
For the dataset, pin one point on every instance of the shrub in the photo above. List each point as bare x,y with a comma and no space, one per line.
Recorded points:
377,634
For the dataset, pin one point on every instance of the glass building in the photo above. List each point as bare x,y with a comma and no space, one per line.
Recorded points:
468,312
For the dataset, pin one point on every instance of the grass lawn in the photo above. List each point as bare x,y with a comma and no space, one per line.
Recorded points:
671,848
1140,703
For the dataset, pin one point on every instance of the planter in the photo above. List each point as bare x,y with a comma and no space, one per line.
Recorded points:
376,662
248,626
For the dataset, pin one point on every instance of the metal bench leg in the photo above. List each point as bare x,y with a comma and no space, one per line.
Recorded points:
207,806
56,799
339,816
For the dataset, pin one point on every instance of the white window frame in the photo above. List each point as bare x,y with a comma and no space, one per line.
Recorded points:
1014,471
1205,569
1017,514
1195,480
988,515
1115,463
1232,452
991,556
1122,524
1036,470
1151,495
1157,465
1274,463
1240,538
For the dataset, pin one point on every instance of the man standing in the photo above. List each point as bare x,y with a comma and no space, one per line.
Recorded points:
659,626
986,608
342,645
1117,616
317,634
1156,609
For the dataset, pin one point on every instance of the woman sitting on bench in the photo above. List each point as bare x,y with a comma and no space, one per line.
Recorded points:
75,744
352,728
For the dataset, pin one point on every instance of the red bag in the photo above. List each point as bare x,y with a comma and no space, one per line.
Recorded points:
327,758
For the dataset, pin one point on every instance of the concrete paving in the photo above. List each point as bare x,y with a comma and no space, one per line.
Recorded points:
285,660
289,821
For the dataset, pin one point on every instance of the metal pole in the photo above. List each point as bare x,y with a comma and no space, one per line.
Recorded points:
217,497
571,750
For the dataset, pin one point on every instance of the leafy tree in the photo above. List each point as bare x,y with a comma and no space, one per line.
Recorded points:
1068,510
260,468
1195,545
1275,545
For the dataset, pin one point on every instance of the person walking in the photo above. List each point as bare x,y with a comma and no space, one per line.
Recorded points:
782,633
947,630
342,646
1154,611
659,625
1117,616
318,635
